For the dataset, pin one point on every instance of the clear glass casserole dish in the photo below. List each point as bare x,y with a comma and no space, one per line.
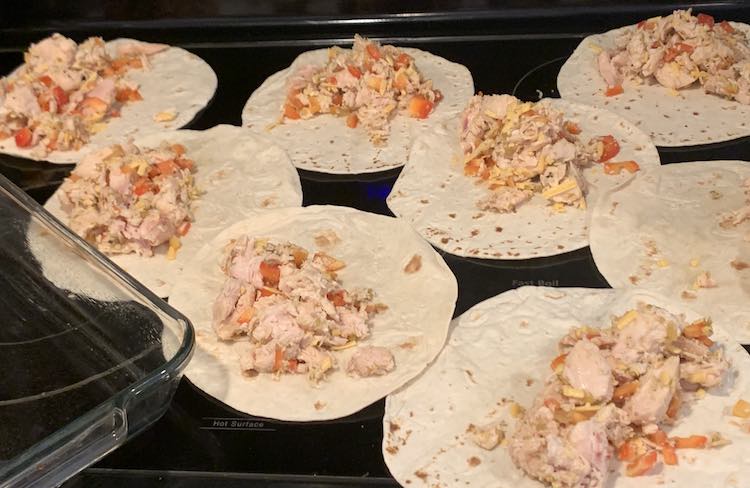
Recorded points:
89,357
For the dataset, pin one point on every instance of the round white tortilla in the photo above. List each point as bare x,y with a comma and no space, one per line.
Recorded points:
375,249
498,353
177,82
685,118
325,144
675,209
440,201
239,173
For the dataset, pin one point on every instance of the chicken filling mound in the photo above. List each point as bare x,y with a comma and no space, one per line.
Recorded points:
65,92
678,50
523,148
611,393
368,84
736,217
124,199
289,313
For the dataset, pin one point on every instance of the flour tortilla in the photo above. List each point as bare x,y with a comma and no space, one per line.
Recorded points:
325,144
440,201
675,209
177,82
498,353
239,172
686,118
375,249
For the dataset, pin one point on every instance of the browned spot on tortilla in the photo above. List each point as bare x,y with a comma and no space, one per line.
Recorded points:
445,240
634,279
474,461
452,215
739,265
393,426
267,202
560,246
414,264
498,229
408,345
474,232
421,475
392,450
478,216
319,405
424,200
715,195
470,374
529,382
686,295
376,308
326,238
471,428
411,413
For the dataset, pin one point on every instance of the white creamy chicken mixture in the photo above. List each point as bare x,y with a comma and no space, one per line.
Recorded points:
64,92
125,199
678,50
524,148
289,313
611,392
368,84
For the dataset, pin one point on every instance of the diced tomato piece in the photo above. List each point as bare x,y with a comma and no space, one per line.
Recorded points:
402,61
292,365
184,228
185,163
692,442
331,80
266,292
610,148
706,20
572,127
291,112
684,48
337,298
646,25
612,91
628,451
616,168
670,455
142,185
558,361
641,465
420,107
43,100
178,149
278,358
356,72
726,26
472,167
659,438
676,50
23,137
60,97
373,51
336,99
696,329
167,167
246,315
45,80
674,406
270,272
624,391
352,120
128,95
73,177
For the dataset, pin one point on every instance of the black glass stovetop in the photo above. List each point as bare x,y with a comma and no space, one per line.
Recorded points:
200,441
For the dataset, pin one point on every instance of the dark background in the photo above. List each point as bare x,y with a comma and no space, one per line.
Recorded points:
510,47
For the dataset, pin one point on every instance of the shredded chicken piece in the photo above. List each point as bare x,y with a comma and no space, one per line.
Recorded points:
678,50
368,84
65,92
289,313
125,199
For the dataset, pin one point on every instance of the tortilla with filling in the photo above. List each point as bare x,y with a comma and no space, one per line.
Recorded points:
498,356
175,88
238,173
376,250
671,118
664,231
433,194
324,143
